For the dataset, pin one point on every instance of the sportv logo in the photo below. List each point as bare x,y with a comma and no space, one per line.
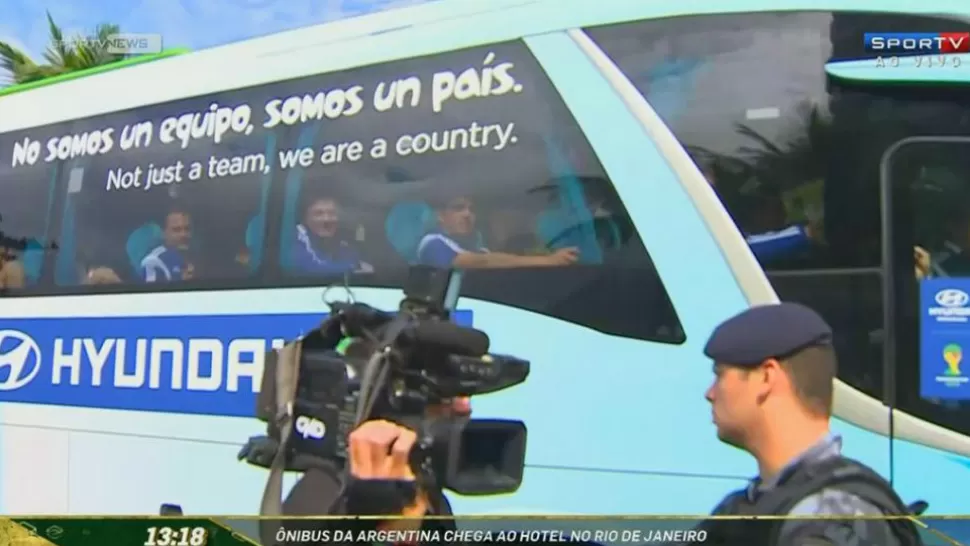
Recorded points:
19,357
122,43
133,44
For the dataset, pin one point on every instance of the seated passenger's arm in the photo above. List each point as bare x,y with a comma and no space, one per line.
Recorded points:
484,260
440,252
773,244
101,275
12,274
357,264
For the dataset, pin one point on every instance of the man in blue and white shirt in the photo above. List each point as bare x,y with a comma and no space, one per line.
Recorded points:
319,248
168,261
454,243
767,245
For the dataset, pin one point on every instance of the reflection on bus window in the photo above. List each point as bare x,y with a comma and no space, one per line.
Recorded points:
793,156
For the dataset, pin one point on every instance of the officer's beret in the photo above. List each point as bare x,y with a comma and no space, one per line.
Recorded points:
767,331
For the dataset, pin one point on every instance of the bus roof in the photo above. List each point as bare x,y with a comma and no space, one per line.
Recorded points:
390,35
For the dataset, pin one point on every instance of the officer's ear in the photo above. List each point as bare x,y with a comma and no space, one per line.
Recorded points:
770,373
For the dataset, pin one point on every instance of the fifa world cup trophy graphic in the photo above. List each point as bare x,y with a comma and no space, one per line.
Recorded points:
952,355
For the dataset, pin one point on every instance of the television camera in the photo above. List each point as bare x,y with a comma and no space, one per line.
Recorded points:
363,364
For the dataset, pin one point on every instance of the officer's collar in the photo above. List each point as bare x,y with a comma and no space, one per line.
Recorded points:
829,446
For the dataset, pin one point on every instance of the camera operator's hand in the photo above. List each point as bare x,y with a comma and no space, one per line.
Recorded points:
379,451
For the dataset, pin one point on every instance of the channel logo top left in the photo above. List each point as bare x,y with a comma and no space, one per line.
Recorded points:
20,359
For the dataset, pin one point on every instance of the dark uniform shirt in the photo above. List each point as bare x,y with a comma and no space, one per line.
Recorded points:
827,503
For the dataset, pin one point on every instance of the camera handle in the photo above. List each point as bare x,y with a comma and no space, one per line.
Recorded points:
287,376
420,456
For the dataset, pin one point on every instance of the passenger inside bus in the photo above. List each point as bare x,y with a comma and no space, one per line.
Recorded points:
12,273
100,275
320,246
766,231
170,260
455,241
952,257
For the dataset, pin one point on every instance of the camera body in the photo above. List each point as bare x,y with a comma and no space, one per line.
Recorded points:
364,364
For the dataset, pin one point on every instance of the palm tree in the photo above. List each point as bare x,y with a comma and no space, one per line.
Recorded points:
791,161
62,55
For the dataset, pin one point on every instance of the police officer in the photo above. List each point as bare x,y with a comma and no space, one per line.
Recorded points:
774,368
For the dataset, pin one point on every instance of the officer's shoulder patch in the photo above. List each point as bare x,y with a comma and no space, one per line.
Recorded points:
850,531
834,502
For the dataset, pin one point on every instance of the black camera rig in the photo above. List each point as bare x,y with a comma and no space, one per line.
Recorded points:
363,364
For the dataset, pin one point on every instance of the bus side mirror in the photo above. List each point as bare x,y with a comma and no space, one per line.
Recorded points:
170,510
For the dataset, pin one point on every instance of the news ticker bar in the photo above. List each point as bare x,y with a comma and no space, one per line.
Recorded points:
218,531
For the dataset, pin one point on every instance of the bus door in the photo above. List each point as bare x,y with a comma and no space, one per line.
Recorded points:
924,176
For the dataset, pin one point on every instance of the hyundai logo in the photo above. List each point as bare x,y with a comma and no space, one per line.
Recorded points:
20,357
951,297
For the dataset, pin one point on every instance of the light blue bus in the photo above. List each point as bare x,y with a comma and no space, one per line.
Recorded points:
654,137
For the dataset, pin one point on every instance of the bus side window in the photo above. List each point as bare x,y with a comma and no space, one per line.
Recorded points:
931,216
26,205
161,215
793,157
510,173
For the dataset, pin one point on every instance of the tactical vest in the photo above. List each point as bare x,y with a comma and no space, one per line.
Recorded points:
800,482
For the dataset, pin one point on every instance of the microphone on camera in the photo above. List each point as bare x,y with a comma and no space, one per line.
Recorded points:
450,338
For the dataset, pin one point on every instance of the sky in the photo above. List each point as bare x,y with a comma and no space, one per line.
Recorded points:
195,24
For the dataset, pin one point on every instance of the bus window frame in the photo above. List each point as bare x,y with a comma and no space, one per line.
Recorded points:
887,189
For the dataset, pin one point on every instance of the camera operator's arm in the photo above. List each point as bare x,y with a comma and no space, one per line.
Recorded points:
382,481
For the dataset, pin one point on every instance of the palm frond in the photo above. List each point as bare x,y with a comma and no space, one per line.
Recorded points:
61,56
59,51
14,61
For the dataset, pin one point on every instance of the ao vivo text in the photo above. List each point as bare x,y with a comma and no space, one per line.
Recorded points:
917,43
